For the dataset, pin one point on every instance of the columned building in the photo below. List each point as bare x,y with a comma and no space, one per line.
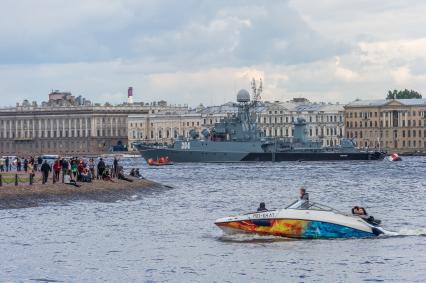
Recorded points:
324,121
62,130
162,127
396,124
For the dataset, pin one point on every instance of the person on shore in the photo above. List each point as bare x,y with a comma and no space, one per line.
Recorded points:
65,168
7,163
45,169
68,180
101,168
26,165
121,176
92,167
74,168
80,170
18,164
115,164
32,161
39,162
138,174
57,169
30,167
86,176
106,176
2,161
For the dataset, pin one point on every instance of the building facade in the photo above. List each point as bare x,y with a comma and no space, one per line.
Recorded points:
68,125
396,124
62,130
324,121
165,127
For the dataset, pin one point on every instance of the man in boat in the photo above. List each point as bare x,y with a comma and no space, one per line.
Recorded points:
303,202
262,207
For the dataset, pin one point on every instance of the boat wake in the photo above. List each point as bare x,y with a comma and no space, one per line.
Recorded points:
251,238
257,238
407,232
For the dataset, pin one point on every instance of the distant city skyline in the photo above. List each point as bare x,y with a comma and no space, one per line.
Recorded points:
192,52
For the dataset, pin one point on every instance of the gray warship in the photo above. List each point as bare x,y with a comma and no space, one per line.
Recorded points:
238,139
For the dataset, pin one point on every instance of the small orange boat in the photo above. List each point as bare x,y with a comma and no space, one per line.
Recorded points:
162,161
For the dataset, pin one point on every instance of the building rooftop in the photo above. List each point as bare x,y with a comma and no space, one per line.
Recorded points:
383,102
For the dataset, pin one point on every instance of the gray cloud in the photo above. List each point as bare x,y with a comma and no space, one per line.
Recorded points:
195,51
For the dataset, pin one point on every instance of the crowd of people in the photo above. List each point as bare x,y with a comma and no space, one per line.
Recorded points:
7,164
67,170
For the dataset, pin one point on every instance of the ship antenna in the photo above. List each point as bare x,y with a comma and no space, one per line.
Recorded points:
257,91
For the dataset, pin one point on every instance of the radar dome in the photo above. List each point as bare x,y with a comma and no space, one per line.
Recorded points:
243,96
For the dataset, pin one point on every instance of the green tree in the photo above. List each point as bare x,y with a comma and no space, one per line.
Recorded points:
403,94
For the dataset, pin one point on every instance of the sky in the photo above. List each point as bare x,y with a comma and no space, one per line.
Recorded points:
196,51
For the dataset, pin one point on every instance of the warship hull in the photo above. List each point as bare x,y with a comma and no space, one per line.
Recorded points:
179,156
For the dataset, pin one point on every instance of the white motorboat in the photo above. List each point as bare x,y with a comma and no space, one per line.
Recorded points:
313,221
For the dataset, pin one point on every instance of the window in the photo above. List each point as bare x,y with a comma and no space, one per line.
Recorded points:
403,134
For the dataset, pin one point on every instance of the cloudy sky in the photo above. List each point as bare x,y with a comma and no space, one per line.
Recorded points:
195,51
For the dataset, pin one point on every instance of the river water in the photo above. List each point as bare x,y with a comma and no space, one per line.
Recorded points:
168,234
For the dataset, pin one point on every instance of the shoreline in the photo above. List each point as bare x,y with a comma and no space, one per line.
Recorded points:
24,196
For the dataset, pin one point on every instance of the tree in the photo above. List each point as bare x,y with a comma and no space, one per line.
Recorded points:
403,94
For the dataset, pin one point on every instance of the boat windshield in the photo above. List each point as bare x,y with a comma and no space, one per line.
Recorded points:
313,206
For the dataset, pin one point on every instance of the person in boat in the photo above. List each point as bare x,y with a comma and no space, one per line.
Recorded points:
262,207
303,202
362,213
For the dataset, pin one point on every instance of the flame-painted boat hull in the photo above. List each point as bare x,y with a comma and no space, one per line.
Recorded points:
302,224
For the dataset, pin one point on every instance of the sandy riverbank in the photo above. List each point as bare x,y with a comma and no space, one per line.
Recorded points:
34,195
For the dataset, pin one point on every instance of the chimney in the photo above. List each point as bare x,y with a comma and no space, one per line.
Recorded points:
130,95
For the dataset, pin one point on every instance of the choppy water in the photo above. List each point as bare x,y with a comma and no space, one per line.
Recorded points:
168,234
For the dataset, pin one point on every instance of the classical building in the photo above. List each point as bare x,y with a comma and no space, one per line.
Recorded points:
161,127
68,125
166,126
324,121
396,124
